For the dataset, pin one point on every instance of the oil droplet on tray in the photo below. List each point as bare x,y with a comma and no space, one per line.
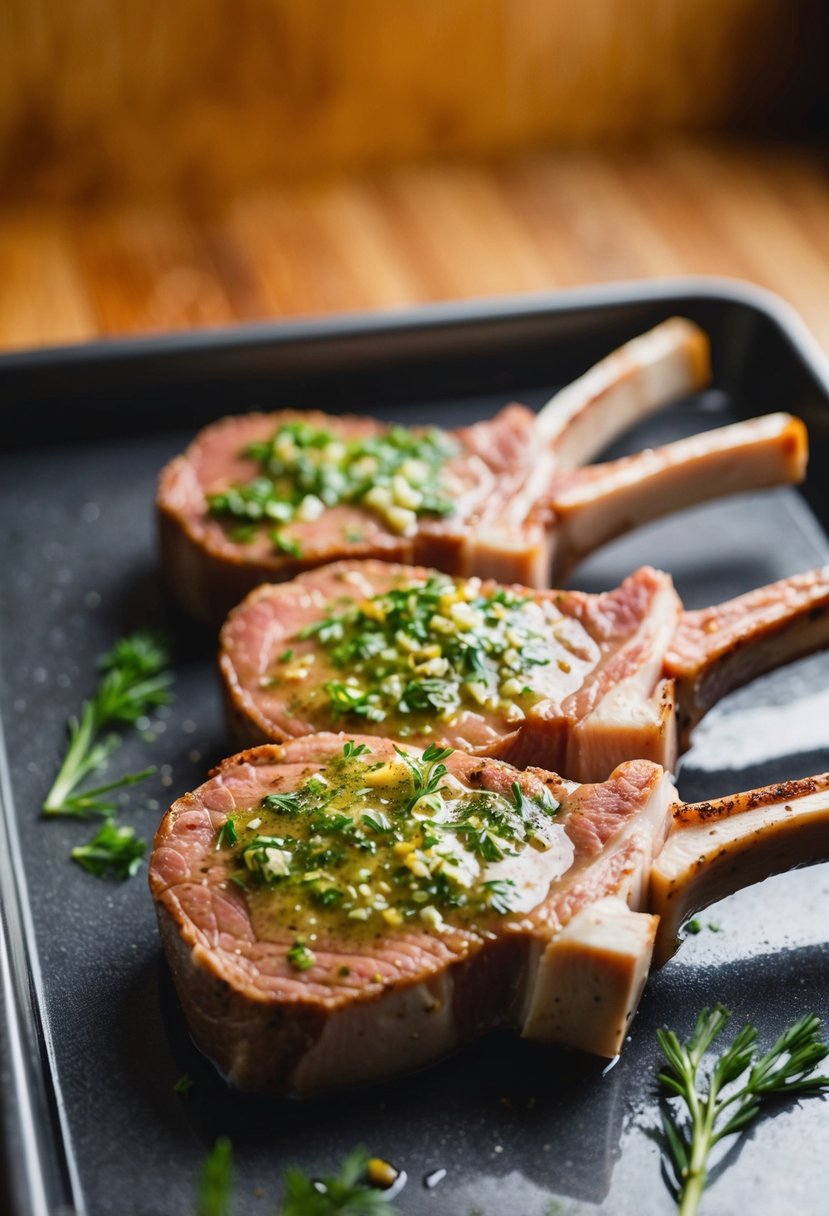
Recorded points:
433,1179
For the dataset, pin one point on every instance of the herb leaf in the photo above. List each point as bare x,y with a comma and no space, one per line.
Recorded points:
184,1085
135,680
722,1107
300,957
112,850
227,837
287,803
216,1181
342,1194
346,1193
425,780
499,894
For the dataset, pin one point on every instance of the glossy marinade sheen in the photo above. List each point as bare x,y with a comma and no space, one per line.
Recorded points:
573,681
537,695
287,998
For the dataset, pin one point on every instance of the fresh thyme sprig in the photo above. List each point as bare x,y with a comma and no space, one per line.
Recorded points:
426,776
723,1107
135,680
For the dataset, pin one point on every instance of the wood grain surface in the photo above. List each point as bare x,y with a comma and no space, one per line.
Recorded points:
135,96
757,211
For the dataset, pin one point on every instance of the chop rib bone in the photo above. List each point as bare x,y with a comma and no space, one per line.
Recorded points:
670,361
712,652
718,649
604,954
716,848
602,501
583,506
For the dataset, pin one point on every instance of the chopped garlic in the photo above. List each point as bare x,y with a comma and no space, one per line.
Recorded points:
310,508
407,643
366,466
415,471
417,866
273,862
378,497
333,453
478,691
433,667
432,917
392,773
286,449
465,617
511,687
401,520
442,624
404,494
381,1173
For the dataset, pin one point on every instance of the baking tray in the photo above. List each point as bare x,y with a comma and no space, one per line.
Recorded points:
93,1041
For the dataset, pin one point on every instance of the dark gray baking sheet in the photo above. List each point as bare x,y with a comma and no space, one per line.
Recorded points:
93,1041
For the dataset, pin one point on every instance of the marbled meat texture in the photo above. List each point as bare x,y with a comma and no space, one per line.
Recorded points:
410,994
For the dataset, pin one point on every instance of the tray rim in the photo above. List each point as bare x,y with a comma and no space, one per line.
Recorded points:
26,1053
250,335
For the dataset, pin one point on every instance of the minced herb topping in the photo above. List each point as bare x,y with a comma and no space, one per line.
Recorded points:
426,651
373,844
304,469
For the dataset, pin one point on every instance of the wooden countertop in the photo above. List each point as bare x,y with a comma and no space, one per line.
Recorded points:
753,210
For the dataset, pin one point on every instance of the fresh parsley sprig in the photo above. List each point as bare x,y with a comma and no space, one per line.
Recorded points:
216,1180
136,679
346,1193
113,850
726,1105
341,1194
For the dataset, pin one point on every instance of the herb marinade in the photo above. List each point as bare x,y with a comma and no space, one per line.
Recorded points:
371,844
420,655
305,469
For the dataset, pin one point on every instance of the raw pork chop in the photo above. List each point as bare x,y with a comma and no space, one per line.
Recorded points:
261,497
339,910
575,682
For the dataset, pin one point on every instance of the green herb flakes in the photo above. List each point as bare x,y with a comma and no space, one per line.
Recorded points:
426,651
184,1085
300,957
227,837
395,473
383,843
351,749
286,544
216,1182
112,851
